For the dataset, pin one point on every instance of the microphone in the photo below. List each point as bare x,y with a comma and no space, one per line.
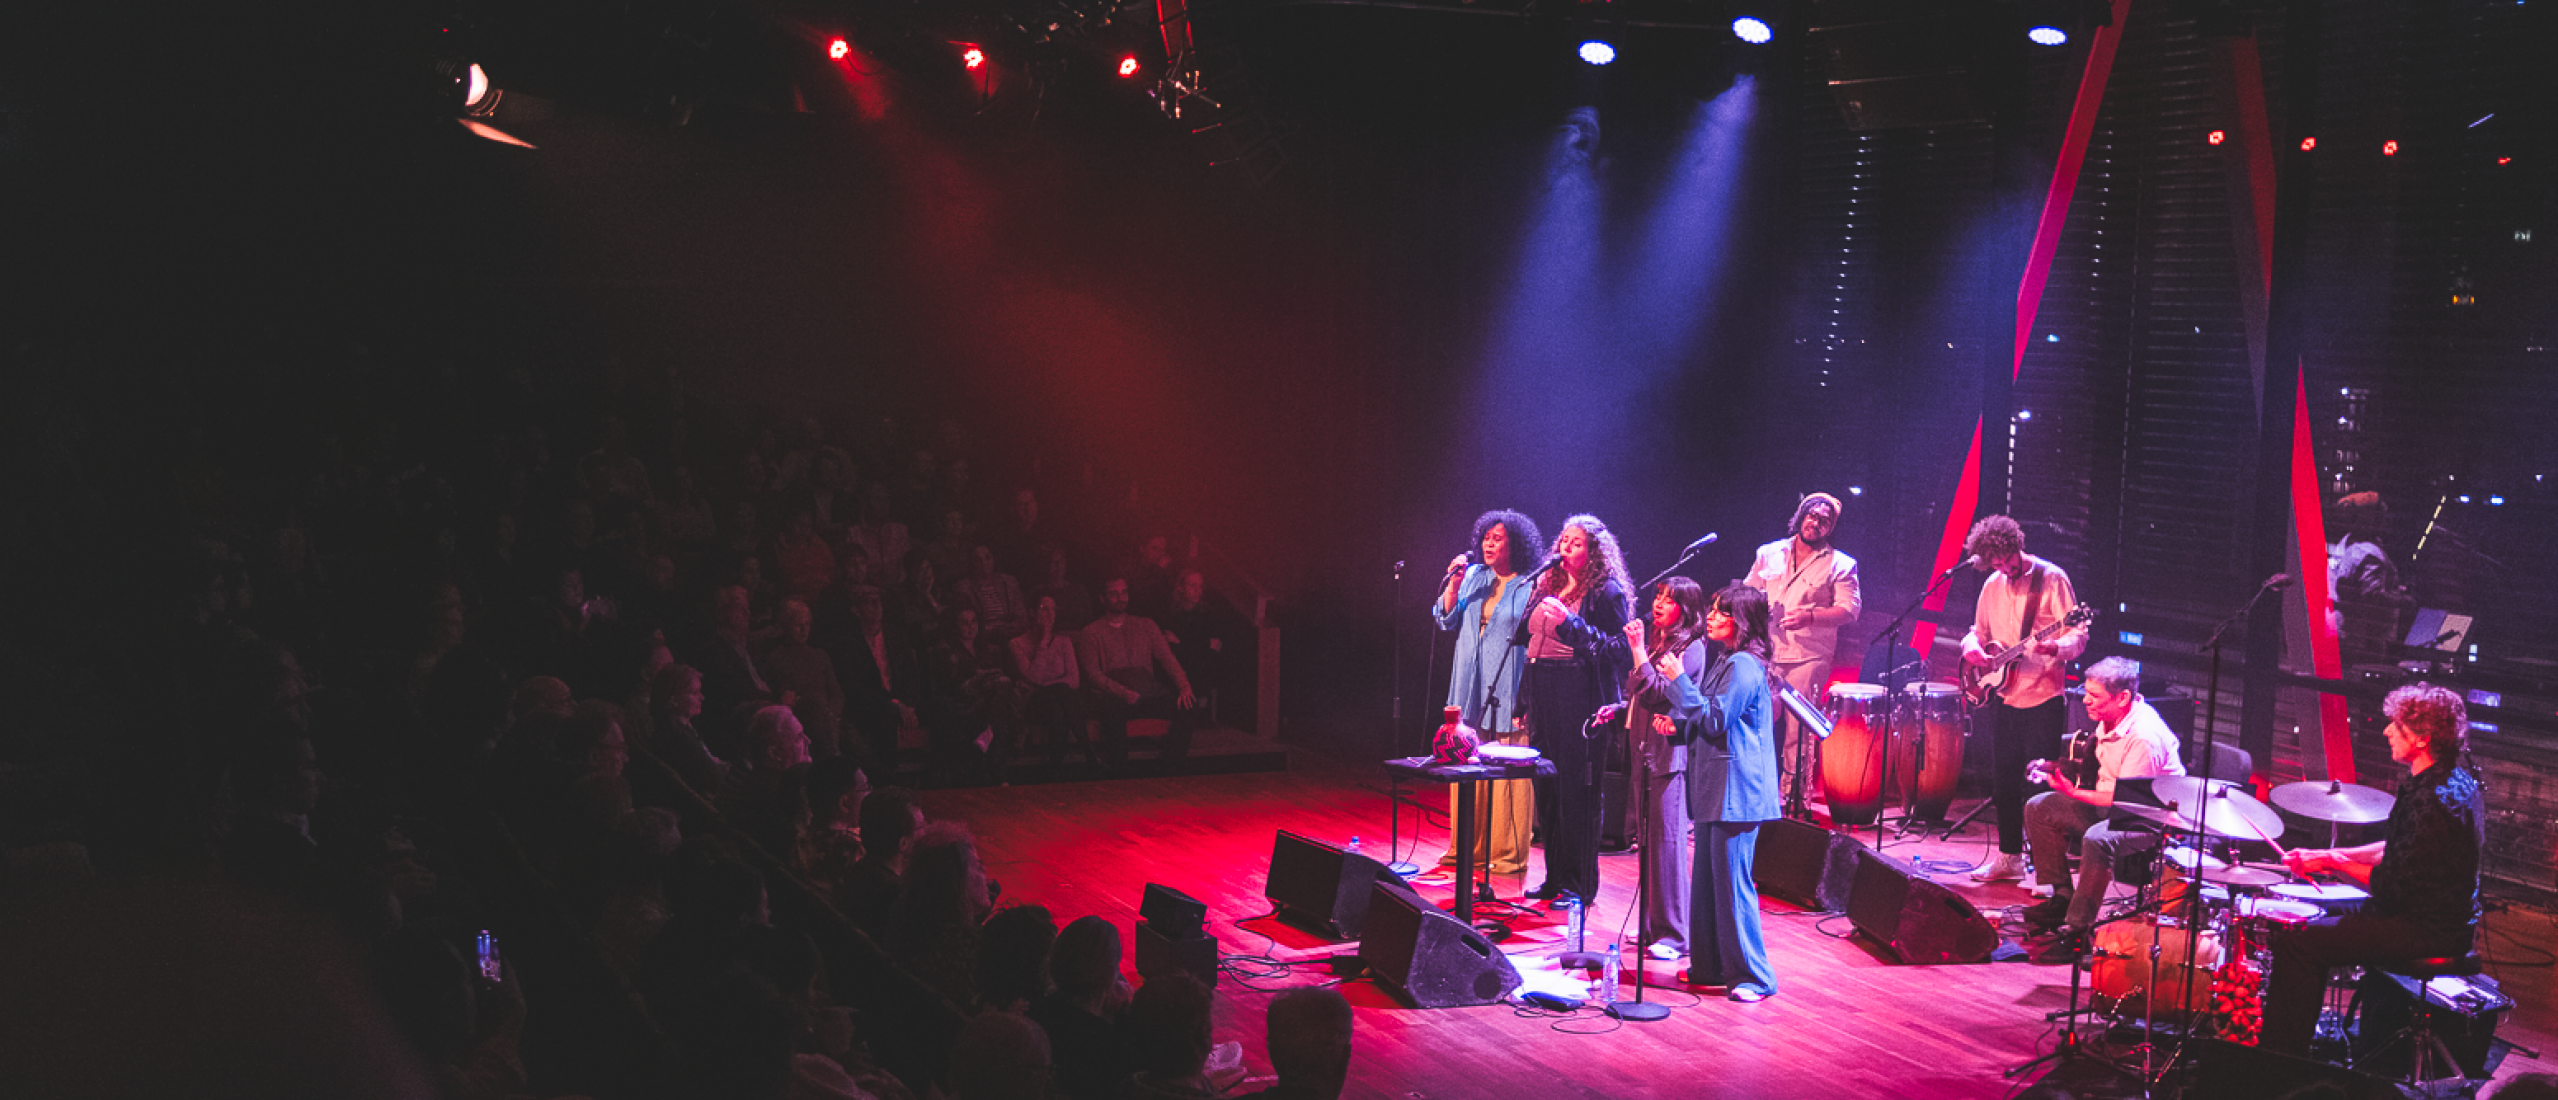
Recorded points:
1968,563
1551,560
1700,544
2278,580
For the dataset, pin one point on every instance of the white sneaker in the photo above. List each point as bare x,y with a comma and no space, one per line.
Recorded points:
2003,867
1664,952
2042,891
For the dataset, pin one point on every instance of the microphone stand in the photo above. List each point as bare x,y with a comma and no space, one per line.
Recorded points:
1892,697
1395,862
1638,1010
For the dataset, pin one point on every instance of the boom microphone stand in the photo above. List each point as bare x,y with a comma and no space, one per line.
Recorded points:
1892,691
1639,1010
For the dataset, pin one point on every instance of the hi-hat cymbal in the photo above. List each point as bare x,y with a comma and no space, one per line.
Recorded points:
2335,801
2246,874
2186,858
2220,807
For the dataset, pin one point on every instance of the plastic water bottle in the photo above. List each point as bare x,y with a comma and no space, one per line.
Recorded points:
1607,993
1354,846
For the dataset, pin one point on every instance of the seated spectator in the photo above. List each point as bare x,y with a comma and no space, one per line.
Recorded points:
948,552
833,622
829,496
1149,574
471,1031
684,515
804,675
1128,672
765,793
1196,628
830,848
611,469
1044,662
939,921
1024,545
1012,958
882,537
869,896
726,658
973,707
1309,1036
1082,1016
995,596
1074,601
922,603
1000,1056
270,847
1171,1029
807,564
675,700
879,672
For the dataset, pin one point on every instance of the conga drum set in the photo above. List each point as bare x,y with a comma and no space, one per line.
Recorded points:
1882,749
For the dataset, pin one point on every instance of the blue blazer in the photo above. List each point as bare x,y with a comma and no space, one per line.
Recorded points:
1727,718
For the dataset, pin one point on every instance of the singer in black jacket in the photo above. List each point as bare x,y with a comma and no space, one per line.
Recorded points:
1577,662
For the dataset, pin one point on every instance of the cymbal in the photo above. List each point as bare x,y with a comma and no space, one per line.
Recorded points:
2220,807
2247,874
2335,801
2186,858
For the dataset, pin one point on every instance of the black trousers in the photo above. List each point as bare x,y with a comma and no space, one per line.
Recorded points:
2017,737
1561,699
1114,715
2303,956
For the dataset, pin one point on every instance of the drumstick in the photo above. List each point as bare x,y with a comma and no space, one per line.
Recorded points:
2280,853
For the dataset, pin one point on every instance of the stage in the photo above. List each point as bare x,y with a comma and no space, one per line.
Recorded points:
1847,1021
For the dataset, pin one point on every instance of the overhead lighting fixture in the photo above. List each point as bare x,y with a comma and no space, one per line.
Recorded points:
1598,53
1753,30
1128,65
2047,35
973,57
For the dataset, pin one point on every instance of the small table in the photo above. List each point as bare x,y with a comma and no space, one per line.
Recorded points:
1467,778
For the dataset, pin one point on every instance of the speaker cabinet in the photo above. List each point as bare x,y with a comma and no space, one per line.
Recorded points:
1175,915
1321,887
1428,958
1917,920
1159,954
1806,865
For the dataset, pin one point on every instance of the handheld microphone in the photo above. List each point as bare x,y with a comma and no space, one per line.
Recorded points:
1700,544
1972,562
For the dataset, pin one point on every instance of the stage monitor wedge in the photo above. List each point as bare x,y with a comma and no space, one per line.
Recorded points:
1807,865
1917,919
1322,887
1428,958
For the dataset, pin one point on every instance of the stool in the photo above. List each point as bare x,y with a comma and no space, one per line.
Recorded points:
2428,1056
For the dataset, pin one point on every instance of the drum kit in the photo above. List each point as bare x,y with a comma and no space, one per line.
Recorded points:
1919,736
2197,947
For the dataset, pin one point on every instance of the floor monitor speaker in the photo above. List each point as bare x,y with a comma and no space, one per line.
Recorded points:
1322,887
1917,920
1428,958
1806,865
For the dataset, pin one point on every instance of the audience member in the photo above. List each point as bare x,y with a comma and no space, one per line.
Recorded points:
1128,672
1082,1015
941,918
882,537
879,671
995,596
676,700
871,894
765,793
1196,627
1074,601
807,564
1309,1037
1000,1056
1044,662
1171,1029
1012,958
805,675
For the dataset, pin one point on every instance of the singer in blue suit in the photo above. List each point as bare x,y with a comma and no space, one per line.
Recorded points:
1718,693
1484,600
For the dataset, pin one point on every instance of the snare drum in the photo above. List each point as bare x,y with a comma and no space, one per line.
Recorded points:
2272,913
2335,898
1852,759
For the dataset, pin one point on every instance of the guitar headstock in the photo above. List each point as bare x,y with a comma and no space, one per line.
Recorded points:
2079,616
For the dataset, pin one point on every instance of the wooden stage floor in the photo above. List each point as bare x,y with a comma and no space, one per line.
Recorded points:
1848,1023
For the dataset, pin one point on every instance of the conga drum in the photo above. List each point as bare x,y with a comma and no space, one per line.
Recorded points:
1852,759
1927,758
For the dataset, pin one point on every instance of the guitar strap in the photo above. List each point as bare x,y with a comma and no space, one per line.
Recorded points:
2033,607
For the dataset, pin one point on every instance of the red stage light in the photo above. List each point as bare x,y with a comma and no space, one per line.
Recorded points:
2504,160
974,57
2217,137
2389,148
2308,143
838,48
1128,65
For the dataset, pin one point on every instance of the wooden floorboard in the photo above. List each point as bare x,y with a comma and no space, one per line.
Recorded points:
1848,1022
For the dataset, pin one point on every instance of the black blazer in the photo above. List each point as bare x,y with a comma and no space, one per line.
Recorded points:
1597,637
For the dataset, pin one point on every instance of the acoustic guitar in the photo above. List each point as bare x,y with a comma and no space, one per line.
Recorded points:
1984,683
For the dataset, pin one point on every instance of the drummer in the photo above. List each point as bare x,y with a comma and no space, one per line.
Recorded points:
2131,742
2423,873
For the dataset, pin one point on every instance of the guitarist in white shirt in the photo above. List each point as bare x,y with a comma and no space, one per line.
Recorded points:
2023,594
2131,742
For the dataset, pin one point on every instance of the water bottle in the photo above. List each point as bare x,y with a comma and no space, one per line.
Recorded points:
1608,990
1572,918
1354,846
